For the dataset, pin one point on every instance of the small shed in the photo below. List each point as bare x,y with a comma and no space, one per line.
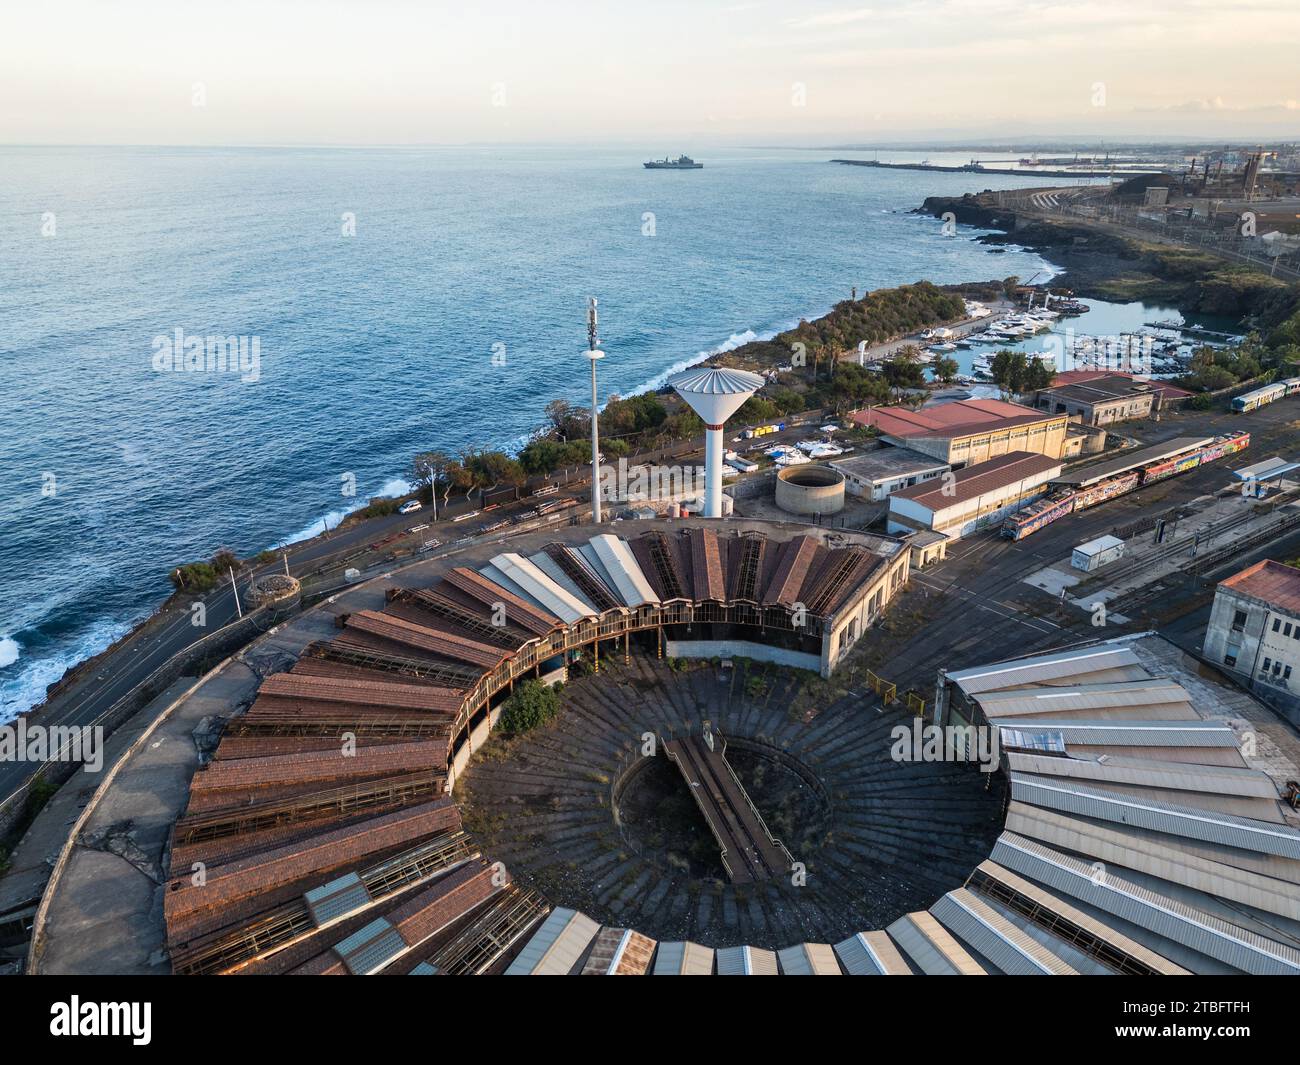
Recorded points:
1097,553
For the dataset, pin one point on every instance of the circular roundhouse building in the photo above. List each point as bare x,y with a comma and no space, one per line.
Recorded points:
333,799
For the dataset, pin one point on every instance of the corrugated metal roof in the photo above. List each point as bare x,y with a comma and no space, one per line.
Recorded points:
619,952
871,954
1188,821
683,959
932,947
1125,733
540,588
1058,906
1220,780
1043,668
622,567
1156,699
1176,921
371,948
990,934
1166,861
544,562
335,900
556,947
746,961
809,959
971,482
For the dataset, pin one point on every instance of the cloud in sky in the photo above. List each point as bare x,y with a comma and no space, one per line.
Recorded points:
402,71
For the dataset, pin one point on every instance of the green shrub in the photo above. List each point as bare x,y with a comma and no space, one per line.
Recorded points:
532,704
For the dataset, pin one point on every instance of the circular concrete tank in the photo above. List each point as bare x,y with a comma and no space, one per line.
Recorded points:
810,489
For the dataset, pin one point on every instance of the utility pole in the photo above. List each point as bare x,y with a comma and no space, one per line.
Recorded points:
235,588
594,353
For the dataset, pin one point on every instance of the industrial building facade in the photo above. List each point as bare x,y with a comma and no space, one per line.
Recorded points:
876,472
970,431
1254,631
1102,400
976,497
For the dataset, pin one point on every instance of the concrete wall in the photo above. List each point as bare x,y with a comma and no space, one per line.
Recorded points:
760,652
1253,644
825,496
852,622
1044,438
962,519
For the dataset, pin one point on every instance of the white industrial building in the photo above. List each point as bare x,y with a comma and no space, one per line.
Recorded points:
974,498
883,470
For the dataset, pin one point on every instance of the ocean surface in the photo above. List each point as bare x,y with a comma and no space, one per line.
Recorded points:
376,286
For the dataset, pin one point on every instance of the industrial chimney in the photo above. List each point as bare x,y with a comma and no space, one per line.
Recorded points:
715,395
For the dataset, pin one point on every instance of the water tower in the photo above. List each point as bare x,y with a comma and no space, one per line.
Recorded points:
715,394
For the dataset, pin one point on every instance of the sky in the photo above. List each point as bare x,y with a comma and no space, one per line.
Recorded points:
663,73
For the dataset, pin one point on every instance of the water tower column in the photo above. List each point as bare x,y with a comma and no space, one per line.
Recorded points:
713,471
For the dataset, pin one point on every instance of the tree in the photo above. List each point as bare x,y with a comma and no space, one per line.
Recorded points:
559,412
1009,369
758,409
429,469
458,477
904,369
532,703
1039,374
945,369
488,469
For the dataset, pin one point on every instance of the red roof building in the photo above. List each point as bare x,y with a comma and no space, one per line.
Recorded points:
967,431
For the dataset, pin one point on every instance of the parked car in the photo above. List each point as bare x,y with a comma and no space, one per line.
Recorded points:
410,506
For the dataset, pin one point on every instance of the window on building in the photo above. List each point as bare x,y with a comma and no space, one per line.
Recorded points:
1264,668
1277,668
1286,629
1277,624
1239,620
1286,673
1230,659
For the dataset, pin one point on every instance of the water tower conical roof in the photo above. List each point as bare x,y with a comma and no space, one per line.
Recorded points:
715,393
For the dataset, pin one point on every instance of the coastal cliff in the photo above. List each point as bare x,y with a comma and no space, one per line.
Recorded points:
1102,265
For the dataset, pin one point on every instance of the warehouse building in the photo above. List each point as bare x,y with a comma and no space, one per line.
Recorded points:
968,431
1122,756
877,472
1254,631
1101,400
976,497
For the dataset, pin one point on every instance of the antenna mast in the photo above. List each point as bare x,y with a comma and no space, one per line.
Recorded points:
594,353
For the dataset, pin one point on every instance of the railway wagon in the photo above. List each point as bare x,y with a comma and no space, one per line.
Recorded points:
1260,397
1019,525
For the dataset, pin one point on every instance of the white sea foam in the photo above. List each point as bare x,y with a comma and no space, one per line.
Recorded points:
26,687
394,486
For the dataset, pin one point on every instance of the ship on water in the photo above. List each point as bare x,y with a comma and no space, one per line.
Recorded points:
682,162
